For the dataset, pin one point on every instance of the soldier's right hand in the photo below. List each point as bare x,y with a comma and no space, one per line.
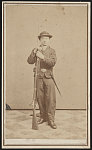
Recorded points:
39,48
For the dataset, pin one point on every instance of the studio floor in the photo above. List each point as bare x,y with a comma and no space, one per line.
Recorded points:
71,124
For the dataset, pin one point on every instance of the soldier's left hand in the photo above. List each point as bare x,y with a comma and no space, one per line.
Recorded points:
40,55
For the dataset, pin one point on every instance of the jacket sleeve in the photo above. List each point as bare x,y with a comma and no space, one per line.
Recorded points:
51,61
32,58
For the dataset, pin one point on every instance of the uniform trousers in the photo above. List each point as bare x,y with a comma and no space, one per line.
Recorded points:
46,98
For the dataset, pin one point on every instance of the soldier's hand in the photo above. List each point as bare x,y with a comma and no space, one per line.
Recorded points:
37,49
40,55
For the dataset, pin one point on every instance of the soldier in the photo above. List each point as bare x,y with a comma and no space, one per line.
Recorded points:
46,96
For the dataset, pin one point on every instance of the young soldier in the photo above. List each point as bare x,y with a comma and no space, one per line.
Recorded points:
46,96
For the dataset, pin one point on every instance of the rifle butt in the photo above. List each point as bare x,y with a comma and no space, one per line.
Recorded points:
34,121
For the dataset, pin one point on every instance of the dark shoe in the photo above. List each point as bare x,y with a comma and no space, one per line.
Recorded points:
40,121
52,124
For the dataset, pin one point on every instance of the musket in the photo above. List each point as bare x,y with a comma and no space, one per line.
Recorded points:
34,119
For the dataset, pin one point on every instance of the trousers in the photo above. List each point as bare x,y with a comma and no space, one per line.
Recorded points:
46,98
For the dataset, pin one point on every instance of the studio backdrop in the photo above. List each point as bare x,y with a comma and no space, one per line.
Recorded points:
68,25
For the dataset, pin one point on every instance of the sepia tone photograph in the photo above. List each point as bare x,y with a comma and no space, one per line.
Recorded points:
45,74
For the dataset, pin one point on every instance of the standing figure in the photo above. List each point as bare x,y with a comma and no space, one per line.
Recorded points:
46,96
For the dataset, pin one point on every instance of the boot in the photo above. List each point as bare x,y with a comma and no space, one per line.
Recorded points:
52,124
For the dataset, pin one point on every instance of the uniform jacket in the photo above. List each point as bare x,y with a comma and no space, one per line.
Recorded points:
48,62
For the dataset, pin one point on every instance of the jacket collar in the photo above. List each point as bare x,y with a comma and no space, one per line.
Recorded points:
46,47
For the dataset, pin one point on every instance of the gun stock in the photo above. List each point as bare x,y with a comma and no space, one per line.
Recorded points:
34,121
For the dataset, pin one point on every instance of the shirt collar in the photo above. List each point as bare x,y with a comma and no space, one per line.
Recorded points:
46,47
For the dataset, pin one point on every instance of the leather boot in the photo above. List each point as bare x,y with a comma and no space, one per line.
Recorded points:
52,124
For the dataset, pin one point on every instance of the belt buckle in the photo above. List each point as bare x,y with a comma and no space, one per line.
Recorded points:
43,70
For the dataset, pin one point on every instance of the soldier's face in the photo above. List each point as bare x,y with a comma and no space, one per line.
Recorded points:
44,40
